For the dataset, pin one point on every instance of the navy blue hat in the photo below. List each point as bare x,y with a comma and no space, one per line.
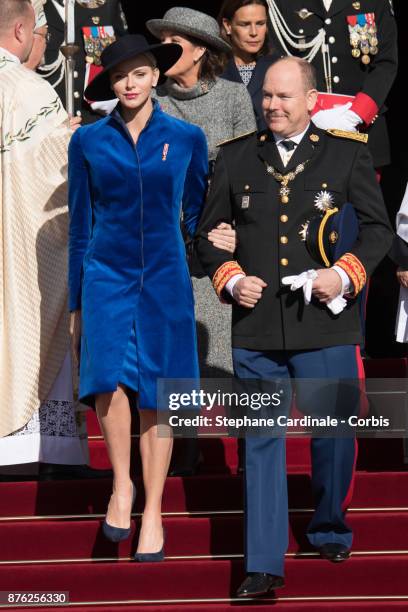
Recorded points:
125,48
330,235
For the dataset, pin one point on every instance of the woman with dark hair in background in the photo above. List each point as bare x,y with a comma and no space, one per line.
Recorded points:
244,24
194,92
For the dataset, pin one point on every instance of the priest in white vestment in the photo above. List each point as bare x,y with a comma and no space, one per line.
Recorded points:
38,420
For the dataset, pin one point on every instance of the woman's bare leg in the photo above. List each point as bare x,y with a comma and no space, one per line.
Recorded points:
156,454
115,421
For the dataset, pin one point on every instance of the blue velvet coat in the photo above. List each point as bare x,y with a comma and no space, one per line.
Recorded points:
127,265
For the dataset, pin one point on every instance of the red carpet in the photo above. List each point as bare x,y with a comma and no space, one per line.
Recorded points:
57,544
204,535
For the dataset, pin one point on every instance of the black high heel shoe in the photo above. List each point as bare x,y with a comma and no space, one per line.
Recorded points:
151,557
118,534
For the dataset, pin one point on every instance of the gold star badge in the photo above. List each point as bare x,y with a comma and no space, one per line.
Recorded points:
262,138
314,137
356,6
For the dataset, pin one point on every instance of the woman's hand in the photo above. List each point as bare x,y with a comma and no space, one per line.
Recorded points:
75,123
223,237
75,333
402,276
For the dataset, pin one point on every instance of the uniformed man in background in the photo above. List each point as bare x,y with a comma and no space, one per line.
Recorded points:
353,46
97,24
273,185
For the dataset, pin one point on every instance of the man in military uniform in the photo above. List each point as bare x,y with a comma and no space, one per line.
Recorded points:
97,23
271,185
353,46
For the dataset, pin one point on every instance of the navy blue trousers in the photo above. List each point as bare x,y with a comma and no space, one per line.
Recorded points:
333,459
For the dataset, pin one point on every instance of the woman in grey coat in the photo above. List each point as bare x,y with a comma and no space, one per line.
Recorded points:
223,109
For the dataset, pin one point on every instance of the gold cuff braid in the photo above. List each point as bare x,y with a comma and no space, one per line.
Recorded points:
355,270
224,273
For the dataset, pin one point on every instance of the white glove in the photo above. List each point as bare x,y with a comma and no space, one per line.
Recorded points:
104,107
339,118
305,281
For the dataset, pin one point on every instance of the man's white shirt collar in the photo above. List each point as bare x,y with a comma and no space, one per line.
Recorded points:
296,139
11,56
327,4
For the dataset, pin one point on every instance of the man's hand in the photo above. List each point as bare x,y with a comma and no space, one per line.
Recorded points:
327,285
75,333
223,237
75,123
248,291
402,276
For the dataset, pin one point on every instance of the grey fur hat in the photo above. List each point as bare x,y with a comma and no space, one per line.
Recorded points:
191,23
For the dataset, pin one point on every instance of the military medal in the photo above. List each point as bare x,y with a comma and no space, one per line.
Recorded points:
323,201
363,36
96,39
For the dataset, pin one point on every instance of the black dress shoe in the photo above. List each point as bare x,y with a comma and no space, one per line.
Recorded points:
334,552
257,584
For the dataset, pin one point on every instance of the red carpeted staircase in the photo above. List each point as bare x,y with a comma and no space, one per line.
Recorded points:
50,537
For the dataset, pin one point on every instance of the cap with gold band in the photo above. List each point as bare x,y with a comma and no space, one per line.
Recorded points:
329,235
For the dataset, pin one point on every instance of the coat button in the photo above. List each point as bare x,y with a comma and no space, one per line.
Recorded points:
324,185
332,40
76,94
336,79
327,21
284,218
284,262
334,60
75,74
284,240
247,187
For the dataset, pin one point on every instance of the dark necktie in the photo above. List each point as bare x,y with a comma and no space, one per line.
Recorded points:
289,145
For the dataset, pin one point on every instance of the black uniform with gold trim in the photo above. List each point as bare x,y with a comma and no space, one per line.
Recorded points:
270,221
361,37
90,14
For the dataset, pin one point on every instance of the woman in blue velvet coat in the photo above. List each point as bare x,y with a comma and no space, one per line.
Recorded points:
131,299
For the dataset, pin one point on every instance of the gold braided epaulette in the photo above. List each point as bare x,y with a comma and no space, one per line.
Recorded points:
220,144
358,136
